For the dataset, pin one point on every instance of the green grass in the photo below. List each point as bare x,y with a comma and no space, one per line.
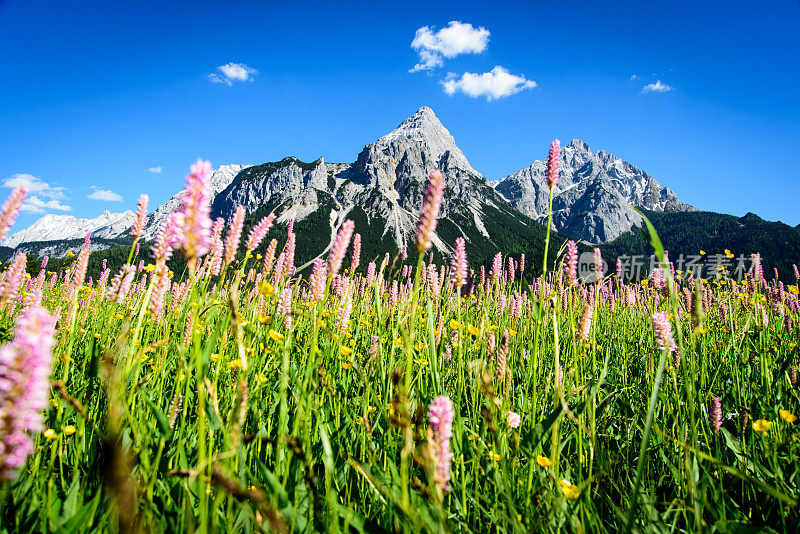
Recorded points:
308,428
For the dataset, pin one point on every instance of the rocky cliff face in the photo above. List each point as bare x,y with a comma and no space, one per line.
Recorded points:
595,197
387,182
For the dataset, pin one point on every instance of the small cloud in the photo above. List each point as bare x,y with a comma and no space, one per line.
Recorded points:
635,77
657,87
457,38
154,170
494,84
33,204
35,185
104,194
233,72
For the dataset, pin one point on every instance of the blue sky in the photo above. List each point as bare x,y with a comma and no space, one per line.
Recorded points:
93,94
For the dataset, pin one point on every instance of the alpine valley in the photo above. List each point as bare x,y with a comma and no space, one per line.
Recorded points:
595,202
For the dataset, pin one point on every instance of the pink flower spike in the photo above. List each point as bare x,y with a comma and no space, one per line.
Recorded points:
458,266
339,247
195,210
234,236
552,164
440,417
10,209
429,212
259,231
140,218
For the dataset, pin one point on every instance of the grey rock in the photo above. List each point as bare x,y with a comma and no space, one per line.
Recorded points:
595,197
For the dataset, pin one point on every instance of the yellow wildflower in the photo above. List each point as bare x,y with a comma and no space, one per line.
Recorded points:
543,461
275,335
455,325
347,365
266,289
787,416
69,430
762,425
473,330
569,489
347,351
49,433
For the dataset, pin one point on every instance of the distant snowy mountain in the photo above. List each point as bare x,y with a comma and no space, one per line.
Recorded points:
53,227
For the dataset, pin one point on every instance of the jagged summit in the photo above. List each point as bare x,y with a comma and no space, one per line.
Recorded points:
422,132
595,197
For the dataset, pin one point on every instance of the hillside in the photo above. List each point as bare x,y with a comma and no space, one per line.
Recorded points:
690,232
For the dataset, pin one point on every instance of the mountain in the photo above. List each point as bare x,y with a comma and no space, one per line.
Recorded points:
595,196
382,192
687,233
53,227
220,179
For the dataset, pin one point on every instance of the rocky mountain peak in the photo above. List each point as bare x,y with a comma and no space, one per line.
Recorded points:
423,140
595,196
578,144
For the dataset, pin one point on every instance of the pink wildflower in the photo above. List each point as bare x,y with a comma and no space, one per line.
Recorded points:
356,253
513,419
24,387
571,263
317,281
234,235
440,416
552,164
258,232
140,218
458,267
715,414
663,331
196,206
339,247
429,212
10,209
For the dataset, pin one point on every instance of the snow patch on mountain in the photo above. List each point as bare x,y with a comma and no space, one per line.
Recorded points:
52,227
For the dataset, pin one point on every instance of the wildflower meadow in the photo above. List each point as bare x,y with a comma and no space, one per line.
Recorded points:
390,393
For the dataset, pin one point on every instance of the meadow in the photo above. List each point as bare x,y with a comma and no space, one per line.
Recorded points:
390,393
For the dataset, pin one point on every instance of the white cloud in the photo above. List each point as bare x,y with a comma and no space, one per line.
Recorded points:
34,204
494,84
104,194
154,170
35,185
657,87
457,38
233,72
635,77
